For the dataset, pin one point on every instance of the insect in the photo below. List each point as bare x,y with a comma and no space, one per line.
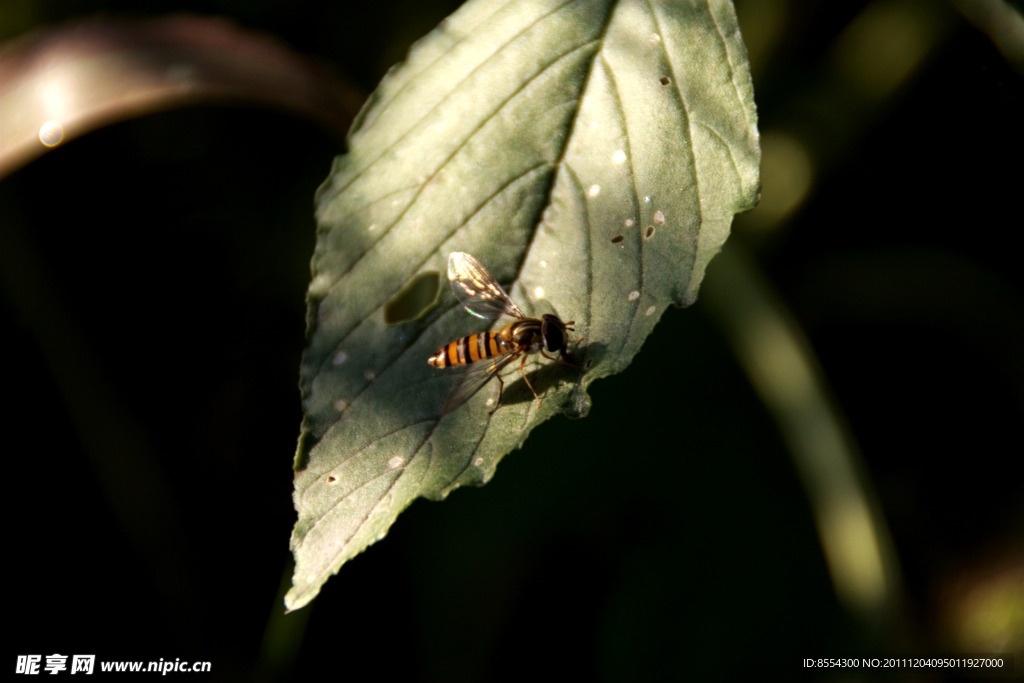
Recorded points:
487,353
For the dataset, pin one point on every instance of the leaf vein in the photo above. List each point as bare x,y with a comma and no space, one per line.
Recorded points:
565,147
411,77
366,483
578,187
636,199
434,251
469,138
728,148
725,48
427,113
368,444
687,131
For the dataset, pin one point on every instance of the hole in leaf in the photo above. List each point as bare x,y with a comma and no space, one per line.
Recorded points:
617,239
650,232
665,80
415,299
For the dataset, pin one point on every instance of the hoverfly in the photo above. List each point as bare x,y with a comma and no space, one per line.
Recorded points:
487,353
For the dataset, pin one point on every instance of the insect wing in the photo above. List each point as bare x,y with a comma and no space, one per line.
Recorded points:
473,379
477,289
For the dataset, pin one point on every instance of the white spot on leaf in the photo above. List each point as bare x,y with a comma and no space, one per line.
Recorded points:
396,462
340,357
619,156
538,293
370,375
594,190
634,295
659,217
650,311
629,222
340,405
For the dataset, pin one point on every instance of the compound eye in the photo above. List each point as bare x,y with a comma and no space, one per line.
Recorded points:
554,337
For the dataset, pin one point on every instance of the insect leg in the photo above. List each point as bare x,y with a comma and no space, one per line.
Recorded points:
522,371
569,327
560,360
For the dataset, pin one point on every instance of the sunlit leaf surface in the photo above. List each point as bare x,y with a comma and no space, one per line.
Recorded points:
590,154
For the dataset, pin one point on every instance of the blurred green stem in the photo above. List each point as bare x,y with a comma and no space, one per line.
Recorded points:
283,634
783,370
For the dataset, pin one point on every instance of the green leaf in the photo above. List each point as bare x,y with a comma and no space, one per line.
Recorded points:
590,154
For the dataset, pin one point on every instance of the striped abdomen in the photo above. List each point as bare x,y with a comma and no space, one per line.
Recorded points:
470,349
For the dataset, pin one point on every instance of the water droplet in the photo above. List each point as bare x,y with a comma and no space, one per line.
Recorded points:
594,190
650,232
478,462
340,357
341,405
650,311
659,217
543,264
538,293
370,375
634,295
619,156
51,133
647,199
395,462
331,479
665,80
617,239
629,222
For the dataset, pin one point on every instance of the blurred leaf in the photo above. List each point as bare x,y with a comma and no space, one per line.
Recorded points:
1001,22
57,84
588,153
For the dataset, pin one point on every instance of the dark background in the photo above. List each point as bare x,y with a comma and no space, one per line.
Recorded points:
152,328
